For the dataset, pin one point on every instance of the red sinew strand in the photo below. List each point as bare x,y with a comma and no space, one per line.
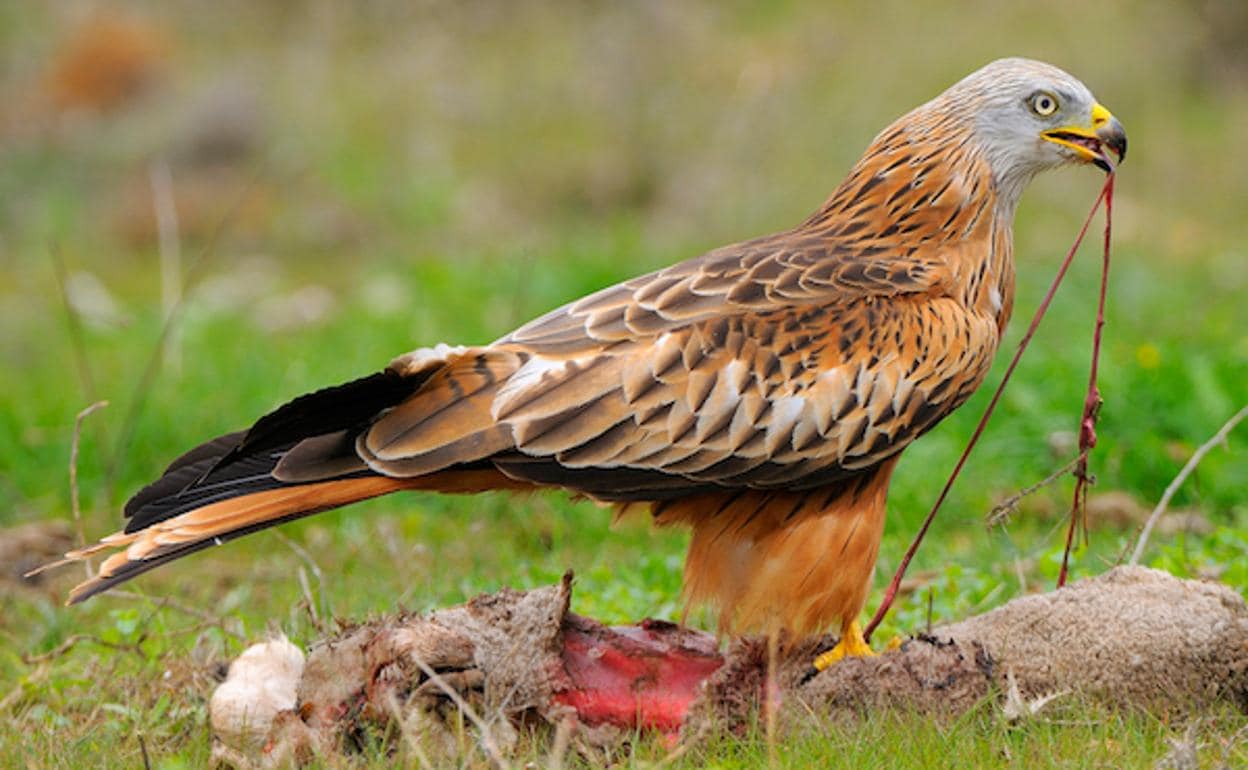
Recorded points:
1106,194
1092,403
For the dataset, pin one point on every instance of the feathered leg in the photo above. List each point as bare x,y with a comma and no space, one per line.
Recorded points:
795,562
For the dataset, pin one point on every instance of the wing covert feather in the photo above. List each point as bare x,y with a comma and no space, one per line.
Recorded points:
758,399
786,270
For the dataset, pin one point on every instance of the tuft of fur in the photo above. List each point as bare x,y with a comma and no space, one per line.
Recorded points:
263,682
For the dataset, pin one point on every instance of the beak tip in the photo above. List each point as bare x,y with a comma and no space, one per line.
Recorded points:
1114,136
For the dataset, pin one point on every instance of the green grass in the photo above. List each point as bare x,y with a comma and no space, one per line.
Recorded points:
448,172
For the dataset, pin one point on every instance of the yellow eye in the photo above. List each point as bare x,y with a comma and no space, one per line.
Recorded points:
1043,104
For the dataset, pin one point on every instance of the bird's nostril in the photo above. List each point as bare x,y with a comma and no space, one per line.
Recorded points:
1100,116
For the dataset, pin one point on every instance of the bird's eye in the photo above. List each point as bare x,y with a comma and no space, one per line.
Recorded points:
1043,104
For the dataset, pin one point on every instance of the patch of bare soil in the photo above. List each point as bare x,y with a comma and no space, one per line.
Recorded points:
25,547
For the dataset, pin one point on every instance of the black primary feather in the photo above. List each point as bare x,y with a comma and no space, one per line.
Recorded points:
242,462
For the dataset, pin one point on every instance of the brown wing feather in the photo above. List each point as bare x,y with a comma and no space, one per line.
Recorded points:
447,422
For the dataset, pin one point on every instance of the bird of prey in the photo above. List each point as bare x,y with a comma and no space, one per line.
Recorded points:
759,394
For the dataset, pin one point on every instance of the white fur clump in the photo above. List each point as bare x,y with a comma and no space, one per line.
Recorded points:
261,684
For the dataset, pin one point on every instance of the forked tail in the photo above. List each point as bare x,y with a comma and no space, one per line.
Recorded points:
227,488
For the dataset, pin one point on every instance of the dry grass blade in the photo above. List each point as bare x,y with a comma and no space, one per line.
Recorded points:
488,744
74,324
326,610
208,618
74,504
771,698
72,642
147,762
676,753
168,327
410,739
559,746
170,252
1002,511
1204,449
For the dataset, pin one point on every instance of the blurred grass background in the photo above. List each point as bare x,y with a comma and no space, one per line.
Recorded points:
337,184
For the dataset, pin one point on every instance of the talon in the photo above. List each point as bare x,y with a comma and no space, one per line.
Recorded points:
851,645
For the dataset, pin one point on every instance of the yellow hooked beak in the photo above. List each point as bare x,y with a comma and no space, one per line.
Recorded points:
1090,142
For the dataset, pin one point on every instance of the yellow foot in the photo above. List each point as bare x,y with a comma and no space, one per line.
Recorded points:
852,645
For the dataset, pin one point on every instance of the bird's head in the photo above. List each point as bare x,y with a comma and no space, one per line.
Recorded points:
1026,116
